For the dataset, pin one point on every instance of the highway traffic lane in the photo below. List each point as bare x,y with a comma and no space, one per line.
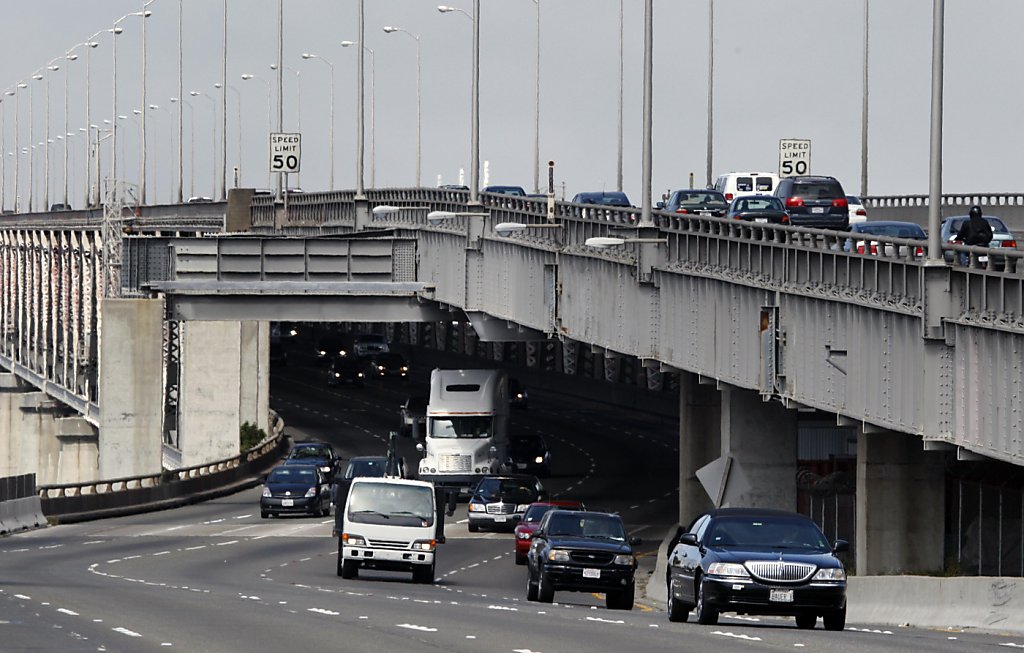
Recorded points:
225,605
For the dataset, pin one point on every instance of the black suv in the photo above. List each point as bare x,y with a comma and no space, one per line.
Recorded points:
814,202
582,552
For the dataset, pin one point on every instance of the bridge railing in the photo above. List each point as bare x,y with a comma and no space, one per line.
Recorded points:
120,496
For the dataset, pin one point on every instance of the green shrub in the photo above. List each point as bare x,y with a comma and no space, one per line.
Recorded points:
250,435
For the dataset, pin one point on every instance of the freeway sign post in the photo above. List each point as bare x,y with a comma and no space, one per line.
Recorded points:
285,152
794,157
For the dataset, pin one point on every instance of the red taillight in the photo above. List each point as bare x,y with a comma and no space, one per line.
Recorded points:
919,251
873,249
861,212
1010,243
794,201
785,218
681,211
841,203
729,196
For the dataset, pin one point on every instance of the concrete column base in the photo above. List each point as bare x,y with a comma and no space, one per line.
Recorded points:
699,442
79,458
900,505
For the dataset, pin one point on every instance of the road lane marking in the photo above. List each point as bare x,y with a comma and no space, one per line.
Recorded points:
125,631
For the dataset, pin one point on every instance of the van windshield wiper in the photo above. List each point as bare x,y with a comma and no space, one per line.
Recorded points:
372,512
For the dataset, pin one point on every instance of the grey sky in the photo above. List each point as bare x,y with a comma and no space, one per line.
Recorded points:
783,69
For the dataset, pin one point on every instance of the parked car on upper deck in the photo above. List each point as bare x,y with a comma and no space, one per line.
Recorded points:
505,190
612,199
863,244
756,561
758,208
814,201
857,211
695,202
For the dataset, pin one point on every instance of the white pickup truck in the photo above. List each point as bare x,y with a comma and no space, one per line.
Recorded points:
392,524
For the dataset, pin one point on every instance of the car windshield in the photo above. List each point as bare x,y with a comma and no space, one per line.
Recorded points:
461,427
527,442
763,532
700,198
517,490
998,226
365,468
301,453
534,513
891,230
604,527
390,503
292,475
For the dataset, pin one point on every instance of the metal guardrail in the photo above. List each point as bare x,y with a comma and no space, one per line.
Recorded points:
102,498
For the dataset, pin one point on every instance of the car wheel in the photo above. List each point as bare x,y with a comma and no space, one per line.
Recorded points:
622,599
531,587
835,620
423,574
264,514
326,512
474,528
349,569
806,621
706,615
545,591
520,559
676,610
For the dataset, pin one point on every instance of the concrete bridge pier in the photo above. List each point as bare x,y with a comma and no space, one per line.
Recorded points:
31,442
225,381
900,504
735,450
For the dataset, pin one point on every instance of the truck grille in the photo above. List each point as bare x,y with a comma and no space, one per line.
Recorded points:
454,463
779,571
389,544
501,508
591,557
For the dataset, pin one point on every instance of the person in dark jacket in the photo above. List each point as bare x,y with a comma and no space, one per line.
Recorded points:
975,230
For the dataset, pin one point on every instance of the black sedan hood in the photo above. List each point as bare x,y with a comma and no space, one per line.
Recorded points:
733,554
296,489
591,543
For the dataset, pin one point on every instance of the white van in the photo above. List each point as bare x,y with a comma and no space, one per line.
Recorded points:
738,184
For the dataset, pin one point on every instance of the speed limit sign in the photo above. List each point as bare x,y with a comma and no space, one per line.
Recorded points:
794,157
285,152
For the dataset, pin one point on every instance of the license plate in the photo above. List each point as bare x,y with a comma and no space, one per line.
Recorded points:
500,518
817,209
287,503
591,573
521,465
760,219
781,596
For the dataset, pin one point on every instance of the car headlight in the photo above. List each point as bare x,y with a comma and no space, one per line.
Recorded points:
311,492
522,507
424,545
353,540
337,375
380,368
627,560
360,375
727,569
558,555
325,469
404,368
837,574
266,491
322,352
477,507
523,535
539,460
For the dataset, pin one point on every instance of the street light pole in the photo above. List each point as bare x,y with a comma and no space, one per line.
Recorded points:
474,188
711,87
17,149
142,138
280,82
224,111
645,211
388,30
51,67
238,105
32,148
536,111
360,189
115,30
618,173
330,136
864,111
180,159
298,111
213,123
192,142
246,77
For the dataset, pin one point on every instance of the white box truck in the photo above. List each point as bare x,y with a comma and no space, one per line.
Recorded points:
467,428
392,524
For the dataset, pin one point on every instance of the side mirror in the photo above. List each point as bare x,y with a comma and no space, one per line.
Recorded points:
635,541
840,546
688,539
440,539
659,205
420,447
